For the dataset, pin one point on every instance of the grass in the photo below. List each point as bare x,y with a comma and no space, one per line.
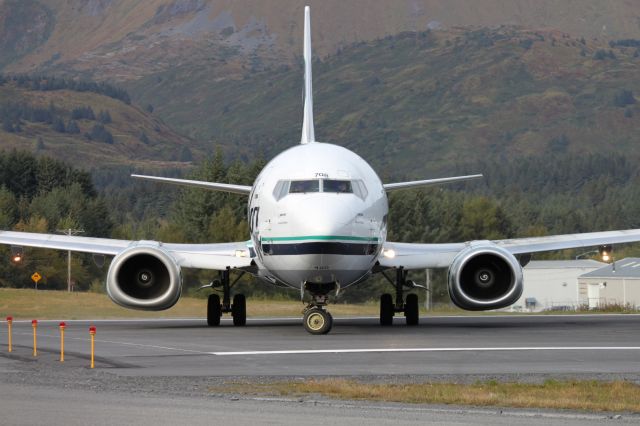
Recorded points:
574,395
28,304
44,304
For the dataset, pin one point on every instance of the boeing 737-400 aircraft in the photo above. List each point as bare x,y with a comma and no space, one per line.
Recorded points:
318,222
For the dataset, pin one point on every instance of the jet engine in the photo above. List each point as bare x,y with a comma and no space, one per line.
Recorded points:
144,277
484,276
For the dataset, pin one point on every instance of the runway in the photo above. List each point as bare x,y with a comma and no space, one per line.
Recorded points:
165,371
455,347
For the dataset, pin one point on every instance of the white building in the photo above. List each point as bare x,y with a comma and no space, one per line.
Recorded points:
553,284
614,284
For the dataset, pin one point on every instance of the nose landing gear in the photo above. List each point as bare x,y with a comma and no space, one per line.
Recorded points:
316,319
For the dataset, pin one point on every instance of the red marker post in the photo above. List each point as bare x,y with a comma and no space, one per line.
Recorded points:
62,327
9,323
34,324
92,332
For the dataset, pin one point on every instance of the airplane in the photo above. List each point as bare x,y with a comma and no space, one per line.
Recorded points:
318,223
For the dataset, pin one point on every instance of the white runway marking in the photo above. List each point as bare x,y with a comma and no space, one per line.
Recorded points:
386,350
347,351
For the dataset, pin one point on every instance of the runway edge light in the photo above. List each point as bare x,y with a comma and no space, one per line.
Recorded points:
63,325
34,324
9,323
92,332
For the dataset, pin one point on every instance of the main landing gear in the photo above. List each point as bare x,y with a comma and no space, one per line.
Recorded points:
409,306
237,309
316,319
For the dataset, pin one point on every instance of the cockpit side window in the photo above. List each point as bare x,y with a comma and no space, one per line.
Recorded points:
304,186
281,189
359,189
338,186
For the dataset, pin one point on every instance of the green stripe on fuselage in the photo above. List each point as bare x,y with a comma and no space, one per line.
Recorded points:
319,238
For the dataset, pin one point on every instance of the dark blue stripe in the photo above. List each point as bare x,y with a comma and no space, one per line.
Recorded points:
346,249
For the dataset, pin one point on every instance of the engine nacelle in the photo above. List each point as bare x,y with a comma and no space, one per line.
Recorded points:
144,277
485,276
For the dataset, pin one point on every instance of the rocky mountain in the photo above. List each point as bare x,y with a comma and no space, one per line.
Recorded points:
129,39
409,84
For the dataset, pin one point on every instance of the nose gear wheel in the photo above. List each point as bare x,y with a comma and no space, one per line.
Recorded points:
317,321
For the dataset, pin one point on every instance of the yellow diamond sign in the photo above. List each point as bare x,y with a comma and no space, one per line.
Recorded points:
36,277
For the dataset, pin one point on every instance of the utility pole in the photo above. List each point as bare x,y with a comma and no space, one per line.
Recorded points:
69,232
427,299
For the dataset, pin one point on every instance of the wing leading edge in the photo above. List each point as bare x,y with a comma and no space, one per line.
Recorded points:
204,256
214,186
429,182
423,256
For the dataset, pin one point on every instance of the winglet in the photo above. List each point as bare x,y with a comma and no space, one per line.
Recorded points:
308,134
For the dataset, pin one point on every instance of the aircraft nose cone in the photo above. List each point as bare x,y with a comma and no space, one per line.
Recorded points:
324,216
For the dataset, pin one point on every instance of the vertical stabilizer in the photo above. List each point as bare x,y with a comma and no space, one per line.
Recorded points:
308,134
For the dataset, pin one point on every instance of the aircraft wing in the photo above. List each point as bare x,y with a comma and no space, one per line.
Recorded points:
422,256
204,256
213,186
429,182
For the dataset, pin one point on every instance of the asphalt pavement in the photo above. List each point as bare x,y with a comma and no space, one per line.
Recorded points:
157,371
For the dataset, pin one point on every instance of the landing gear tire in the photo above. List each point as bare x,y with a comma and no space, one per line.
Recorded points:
412,309
214,310
317,321
387,310
239,310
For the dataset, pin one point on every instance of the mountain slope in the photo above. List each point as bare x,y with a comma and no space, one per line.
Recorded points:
127,39
83,127
419,101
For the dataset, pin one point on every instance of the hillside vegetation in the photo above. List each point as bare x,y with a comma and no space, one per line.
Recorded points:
89,124
413,103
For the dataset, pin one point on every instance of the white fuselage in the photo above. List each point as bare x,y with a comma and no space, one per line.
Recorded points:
317,214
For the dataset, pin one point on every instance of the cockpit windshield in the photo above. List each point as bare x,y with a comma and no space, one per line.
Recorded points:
331,186
303,186
339,186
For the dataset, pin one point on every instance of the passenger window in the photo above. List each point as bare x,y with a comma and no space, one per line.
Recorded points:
303,186
338,186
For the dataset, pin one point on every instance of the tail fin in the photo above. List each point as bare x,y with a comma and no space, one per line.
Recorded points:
308,134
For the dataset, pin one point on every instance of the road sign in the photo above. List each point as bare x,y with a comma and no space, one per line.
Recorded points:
36,277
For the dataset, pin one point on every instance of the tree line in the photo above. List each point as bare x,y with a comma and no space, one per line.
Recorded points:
525,197
14,115
49,83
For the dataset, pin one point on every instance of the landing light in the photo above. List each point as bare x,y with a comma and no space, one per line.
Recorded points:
242,253
17,254
389,253
605,252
